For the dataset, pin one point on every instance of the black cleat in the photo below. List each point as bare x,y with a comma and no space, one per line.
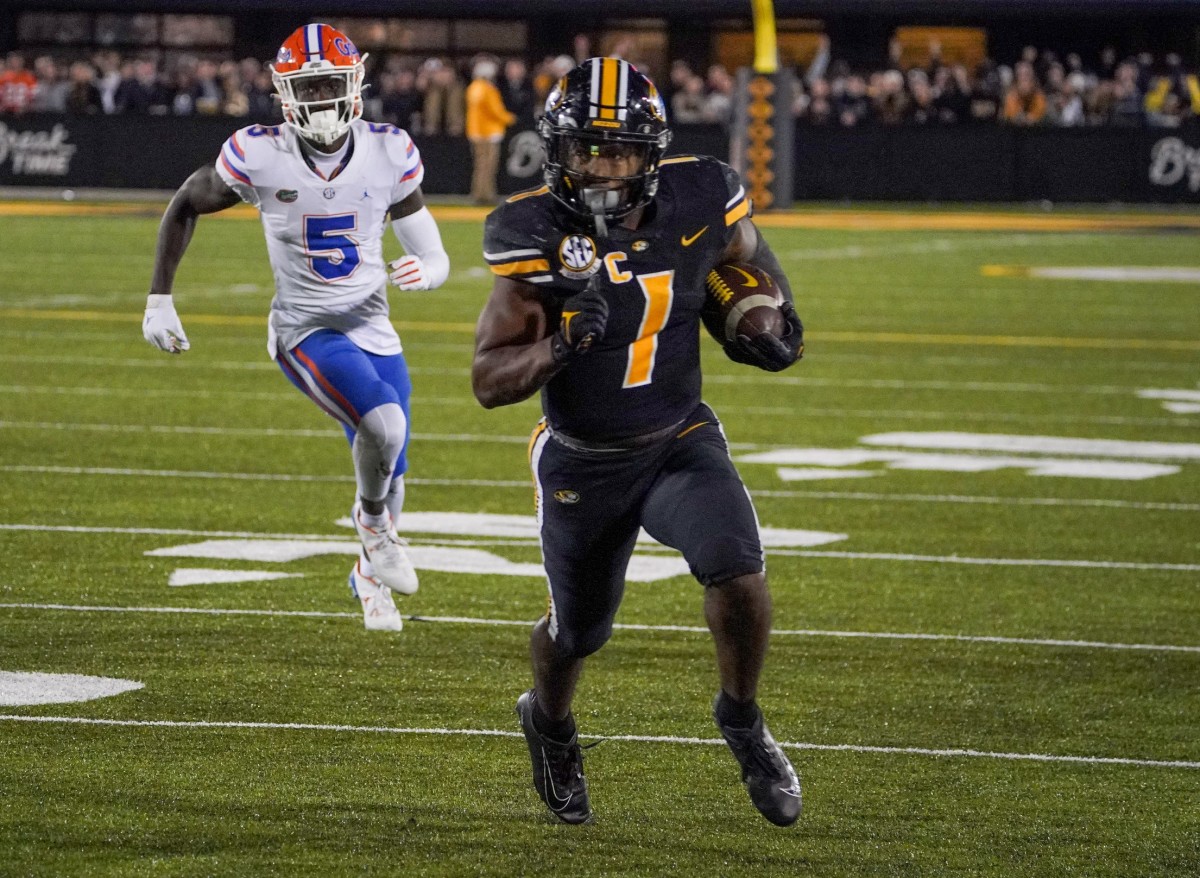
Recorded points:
768,775
557,769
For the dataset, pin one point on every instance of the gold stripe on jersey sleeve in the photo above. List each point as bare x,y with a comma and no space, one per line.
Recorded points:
525,266
738,211
529,193
679,159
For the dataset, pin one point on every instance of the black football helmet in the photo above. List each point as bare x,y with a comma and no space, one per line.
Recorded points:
604,107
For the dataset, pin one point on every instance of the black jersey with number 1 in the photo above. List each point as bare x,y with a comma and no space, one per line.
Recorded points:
645,373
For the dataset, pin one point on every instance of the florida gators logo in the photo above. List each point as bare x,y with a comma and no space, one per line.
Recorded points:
343,45
284,56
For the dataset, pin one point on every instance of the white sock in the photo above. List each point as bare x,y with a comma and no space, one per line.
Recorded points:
394,502
373,521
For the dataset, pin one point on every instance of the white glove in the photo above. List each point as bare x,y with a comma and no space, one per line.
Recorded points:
161,325
409,273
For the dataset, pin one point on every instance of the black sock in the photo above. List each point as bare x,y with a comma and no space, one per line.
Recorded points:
559,730
738,714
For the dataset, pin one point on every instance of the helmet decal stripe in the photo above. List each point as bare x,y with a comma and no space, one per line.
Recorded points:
623,90
594,94
312,42
609,68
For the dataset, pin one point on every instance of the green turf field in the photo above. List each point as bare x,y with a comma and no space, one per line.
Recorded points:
985,488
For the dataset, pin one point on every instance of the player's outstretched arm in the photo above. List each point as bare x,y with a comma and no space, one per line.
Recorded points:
766,351
425,265
203,192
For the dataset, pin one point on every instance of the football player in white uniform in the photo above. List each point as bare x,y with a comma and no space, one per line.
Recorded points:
325,184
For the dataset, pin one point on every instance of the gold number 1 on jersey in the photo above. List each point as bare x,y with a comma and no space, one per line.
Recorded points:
659,293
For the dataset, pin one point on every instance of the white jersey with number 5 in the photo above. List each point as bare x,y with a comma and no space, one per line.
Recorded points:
325,234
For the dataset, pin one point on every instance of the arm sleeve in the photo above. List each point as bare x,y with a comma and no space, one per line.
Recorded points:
406,158
234,169
419,236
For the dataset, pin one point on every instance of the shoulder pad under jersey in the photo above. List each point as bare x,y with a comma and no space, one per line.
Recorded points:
517,235
705,186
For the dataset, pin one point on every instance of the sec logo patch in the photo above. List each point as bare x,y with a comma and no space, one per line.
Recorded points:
577,253
566,496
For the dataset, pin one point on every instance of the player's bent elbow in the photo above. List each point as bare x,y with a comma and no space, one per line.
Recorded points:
488,400
437,264
486,393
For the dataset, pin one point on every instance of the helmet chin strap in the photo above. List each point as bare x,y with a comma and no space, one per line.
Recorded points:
600,202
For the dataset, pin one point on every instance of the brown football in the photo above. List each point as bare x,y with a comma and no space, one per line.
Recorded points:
741,299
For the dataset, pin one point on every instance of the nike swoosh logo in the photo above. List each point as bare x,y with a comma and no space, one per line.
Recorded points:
688,241
751,280
562,803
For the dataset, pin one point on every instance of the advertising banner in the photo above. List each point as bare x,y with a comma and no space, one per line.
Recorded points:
832,163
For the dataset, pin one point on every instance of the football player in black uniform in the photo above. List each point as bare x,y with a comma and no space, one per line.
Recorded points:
596,303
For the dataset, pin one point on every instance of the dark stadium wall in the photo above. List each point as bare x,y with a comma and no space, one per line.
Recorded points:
965,163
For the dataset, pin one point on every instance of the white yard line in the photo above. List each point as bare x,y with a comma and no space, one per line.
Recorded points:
1027,358
875,415
738,379
525,485
640,739
988,562
312,433
937,246
943,417
985,500
800,553
291,433
903,384
208,393
687,629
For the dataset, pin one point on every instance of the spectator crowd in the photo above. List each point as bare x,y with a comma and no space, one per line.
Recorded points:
428,96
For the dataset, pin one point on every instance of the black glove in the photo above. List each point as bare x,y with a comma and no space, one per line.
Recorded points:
768,352
584,317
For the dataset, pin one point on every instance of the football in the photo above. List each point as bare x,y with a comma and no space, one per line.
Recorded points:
741,299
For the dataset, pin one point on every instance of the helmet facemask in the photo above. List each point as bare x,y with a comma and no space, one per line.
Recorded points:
617,194
604,133
321,99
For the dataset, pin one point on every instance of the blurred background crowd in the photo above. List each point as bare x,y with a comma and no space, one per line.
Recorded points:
1040,87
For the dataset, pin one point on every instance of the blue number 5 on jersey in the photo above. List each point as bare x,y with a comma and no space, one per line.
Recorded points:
332,255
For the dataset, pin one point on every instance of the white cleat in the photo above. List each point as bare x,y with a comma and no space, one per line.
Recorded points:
385,551
379,610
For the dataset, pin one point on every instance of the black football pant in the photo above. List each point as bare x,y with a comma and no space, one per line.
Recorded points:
683,489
